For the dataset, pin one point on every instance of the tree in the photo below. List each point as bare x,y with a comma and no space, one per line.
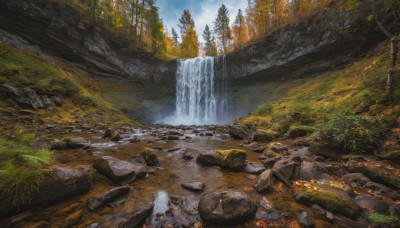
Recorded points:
185,21
157,35
221,26
174,37
390,8
209,42
239,30
190,44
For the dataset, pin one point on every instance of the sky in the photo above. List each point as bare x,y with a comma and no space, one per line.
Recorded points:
203,12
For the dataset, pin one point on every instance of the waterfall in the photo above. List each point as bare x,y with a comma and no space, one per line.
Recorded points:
200,92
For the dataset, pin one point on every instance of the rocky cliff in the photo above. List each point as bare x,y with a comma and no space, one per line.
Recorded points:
319,42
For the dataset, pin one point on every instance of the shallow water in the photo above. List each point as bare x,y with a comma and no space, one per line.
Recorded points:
165,182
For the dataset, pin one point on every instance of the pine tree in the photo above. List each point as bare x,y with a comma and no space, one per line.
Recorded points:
239,30
174,37
185,21
209,41
221,26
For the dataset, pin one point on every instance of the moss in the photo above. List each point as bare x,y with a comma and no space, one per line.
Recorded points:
379,218
300,131
330,201
391,155
224,154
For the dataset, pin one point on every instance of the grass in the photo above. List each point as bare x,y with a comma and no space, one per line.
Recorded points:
356,89
21,168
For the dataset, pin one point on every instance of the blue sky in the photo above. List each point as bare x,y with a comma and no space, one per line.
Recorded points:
203,12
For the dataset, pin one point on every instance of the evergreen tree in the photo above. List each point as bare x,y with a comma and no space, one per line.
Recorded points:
185,21
221,26
239,29
174,37
209,41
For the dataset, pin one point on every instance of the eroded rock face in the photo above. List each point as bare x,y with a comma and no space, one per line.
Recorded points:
117,170
226,208
25,97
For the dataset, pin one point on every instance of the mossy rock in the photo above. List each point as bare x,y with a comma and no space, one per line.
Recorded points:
296,131
324,149
393,156
264,135
233,159
330,199
376,171
150,157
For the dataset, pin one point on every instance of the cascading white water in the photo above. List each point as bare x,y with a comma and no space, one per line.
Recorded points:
200,94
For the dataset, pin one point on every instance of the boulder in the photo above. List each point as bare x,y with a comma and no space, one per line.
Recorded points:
254,168
25,97
300,143
371,203
376,171
264,181
109,196
59,183
304,152
108,133
119,171
226,208
69,143
330,199
134,219
57,100
355,177
240,132
194,186
255,147
304,220
310,171
117,137
173,137
287,169
264,136
270,162
150,157
279,148
300,131
232,159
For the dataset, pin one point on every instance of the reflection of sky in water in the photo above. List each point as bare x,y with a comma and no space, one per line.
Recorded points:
160,203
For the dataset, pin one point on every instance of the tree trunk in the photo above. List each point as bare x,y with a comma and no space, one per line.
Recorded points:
141,23
394,50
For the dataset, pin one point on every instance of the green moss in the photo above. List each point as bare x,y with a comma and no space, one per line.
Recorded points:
379,218
263,110
391,155
300,131
224,154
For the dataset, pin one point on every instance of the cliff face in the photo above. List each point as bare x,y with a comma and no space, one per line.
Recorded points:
320,42
63,33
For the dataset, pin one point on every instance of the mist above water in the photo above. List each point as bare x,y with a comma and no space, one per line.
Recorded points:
201,93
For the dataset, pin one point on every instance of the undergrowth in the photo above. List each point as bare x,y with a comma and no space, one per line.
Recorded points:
21,168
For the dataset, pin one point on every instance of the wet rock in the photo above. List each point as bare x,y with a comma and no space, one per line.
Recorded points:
240,132
318,209
119,171
209,134
226,208
134,140
318,159
233,159
262,157
355,177
254,168
209,158
264,204
376,171
108,133
69,143
150,157
304,220
371,203
287,169
255,147
264,181
173,137
310,171
136,218
264,136
26,215
300,143
195,186
138,159
109,196
188,156
270,162
304,152
279,148
330,199
117,137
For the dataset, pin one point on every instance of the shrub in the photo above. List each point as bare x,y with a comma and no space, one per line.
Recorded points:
264,110
352,133
21,168
281,123
301,113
